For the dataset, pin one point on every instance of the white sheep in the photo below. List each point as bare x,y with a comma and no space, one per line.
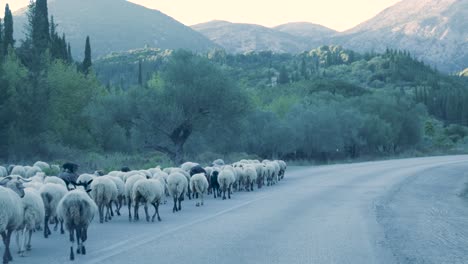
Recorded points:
77,210
33,217
226,178
283,166
199,185
218,163
129,191
85,177
11,212
32,171
42,165
250,174
3,171
187,166
56,180
51,194
104,192
177,184
119,183
147,191
18,170
187,176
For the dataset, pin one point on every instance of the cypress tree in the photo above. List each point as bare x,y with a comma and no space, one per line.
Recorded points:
140,74
40,26
69,55
1,40
87,63
8,31
283,77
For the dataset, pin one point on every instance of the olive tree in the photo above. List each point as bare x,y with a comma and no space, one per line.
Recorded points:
186,97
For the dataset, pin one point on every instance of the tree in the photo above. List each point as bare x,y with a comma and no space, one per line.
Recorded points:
140,74
283,77
192,94
8,40
87,63
1,43
69,53
40,26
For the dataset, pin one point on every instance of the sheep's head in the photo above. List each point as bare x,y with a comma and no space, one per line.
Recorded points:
86,185
15,183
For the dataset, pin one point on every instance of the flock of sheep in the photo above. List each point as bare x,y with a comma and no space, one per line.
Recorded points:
30,200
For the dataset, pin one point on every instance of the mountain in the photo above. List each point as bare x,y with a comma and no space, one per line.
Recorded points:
116,25
433,30
310,31
240,38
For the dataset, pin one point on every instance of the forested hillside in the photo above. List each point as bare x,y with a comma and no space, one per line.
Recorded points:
326,104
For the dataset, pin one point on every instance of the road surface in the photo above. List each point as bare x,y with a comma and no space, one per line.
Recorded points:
398,211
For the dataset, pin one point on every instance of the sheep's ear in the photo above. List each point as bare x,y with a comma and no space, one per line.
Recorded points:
89,190
89,182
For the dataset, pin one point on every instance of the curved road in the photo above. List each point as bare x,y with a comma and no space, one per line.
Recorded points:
398,211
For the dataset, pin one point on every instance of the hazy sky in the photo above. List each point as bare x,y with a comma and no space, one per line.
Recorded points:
336,14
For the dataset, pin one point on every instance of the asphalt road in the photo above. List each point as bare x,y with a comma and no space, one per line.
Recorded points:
398,211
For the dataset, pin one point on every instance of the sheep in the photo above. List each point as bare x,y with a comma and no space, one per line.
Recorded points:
177,185
209,170
33,184
214,183
259,168
250,177
42,165
39,177
283,168
199,185
54,169
33,171
162,176
147,191
51,194
85,177
119,183
11,212
3,171
167,170
270,173
18,170
77,210
187,166
225,180
33,216
104,192
129,191
56,180
187,176
218,163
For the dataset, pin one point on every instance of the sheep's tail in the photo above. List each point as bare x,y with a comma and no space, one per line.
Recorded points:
99,194
47,198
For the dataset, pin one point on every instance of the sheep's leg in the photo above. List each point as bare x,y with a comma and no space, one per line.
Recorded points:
101,216
174,209
129,204
78,240
46,226
111,210
28,245
18,243
72,241
180,202
62,231
84,237
156,211
6,235
146,212
229,192
136,206
56,225
201,197
23,241
118,205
